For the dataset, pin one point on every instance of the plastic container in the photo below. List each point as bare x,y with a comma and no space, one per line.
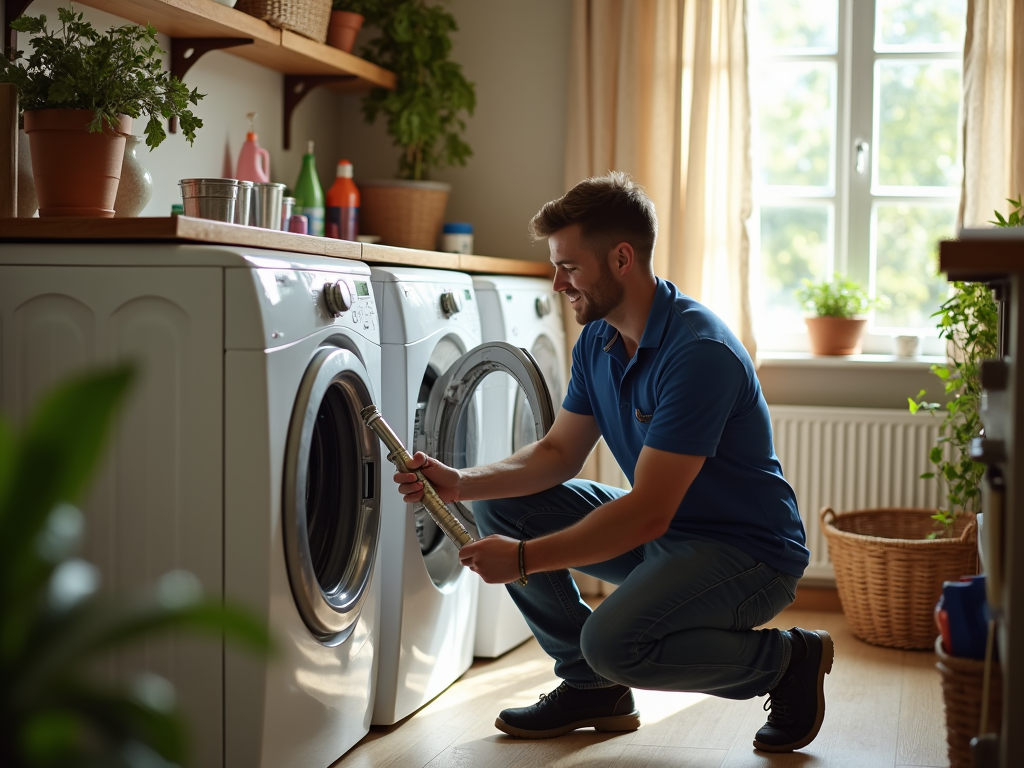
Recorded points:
309,195
343,204
457,237
298,224
287,206
253,160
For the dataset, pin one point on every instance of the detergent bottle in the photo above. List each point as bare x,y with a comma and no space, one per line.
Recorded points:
253,160
309,195
343,204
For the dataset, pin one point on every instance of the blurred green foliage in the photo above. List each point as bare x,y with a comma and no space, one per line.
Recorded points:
795,246
968,321
915,23
54,624
424,114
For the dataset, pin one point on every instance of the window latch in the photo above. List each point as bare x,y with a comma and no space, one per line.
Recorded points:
861,152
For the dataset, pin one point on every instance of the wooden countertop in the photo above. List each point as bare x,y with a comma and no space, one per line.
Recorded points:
184,229
982,255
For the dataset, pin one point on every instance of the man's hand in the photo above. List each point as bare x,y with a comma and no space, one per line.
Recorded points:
444,479
495,558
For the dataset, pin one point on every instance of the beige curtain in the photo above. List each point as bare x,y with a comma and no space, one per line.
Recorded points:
658,88
993,109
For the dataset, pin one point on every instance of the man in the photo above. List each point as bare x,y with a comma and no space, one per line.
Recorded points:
707,544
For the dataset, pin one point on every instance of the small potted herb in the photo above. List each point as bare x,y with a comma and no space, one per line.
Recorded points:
424,116
80,90
837,308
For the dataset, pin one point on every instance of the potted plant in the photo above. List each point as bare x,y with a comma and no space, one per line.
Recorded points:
54,709
423,115
347,18
80,90
837,306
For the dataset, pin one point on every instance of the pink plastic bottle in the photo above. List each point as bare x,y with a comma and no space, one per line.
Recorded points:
253,160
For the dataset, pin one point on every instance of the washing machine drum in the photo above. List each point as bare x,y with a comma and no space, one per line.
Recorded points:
331,495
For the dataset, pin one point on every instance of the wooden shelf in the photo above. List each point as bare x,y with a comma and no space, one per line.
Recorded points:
183,229
981,259
280,50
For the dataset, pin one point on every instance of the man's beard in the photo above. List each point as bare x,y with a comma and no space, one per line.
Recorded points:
605,296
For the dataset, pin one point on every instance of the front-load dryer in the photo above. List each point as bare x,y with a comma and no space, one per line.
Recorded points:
435,371
526,313
239,456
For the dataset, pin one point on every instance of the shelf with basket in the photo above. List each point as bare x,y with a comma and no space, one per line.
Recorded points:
197,26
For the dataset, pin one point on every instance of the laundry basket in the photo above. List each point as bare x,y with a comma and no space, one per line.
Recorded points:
309,18
889,574
962,693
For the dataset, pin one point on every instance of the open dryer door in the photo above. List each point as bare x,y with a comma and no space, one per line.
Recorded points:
458,406
331,495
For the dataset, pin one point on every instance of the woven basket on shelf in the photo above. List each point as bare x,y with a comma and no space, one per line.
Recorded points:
889,575
309,18
962,687
408,214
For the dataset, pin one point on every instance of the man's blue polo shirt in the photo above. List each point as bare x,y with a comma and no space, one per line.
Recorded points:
691,388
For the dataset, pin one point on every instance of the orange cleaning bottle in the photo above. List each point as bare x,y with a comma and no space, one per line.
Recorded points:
343,204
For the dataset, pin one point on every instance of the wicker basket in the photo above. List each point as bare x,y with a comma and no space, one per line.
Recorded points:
889,575
408,214
309,18
962,686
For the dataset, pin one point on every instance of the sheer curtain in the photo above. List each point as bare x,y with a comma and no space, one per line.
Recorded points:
993,109
658,88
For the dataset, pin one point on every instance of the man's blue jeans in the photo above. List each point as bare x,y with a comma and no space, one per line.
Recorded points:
682,618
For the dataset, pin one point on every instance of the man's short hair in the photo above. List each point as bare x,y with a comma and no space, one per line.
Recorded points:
609,210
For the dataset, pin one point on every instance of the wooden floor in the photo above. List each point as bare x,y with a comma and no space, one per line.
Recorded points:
884,711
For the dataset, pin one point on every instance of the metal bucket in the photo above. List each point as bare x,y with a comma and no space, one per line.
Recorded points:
210,198
243,206
266,204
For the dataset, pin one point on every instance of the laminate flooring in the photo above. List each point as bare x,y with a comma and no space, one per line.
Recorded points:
884,710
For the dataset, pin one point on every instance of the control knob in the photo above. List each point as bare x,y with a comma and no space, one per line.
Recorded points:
337,297
543,306
450,303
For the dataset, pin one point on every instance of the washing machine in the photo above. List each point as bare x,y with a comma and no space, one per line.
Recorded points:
525,312
239,456
436,370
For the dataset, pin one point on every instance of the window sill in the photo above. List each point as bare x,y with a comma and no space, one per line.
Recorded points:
774,359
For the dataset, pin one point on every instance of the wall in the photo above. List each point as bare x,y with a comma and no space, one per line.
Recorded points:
233,87
517,54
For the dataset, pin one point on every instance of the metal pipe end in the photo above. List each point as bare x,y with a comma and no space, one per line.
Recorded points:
369,414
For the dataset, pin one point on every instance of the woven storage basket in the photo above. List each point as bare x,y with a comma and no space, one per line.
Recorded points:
309,18
889,575
962,688
408,214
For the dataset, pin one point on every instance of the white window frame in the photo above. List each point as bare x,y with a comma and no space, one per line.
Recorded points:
853,195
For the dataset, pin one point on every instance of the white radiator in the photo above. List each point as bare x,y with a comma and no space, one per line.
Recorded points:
852,458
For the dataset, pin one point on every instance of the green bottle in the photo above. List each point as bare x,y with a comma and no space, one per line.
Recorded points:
309,195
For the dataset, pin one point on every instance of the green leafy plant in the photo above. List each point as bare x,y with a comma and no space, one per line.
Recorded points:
838,297
424,113
53,622
968,321
116,73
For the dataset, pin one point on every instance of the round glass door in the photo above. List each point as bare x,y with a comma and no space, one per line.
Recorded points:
331,495
475,397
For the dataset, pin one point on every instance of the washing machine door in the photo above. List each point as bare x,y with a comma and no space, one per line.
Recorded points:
524,425
331,495
474,395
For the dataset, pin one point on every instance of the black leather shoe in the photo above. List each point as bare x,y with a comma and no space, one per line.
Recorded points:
566,709
796,705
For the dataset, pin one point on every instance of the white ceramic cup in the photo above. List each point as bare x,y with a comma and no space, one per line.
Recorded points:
908,346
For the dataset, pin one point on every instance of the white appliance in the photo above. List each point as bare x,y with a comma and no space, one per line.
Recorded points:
435,370
526,313
240,456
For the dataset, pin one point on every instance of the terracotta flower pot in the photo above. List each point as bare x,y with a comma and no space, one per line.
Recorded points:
343,29
835,335
76,173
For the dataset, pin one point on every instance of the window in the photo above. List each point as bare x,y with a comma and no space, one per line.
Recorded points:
857,164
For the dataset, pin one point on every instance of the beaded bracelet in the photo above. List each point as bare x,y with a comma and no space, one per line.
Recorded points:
523,580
